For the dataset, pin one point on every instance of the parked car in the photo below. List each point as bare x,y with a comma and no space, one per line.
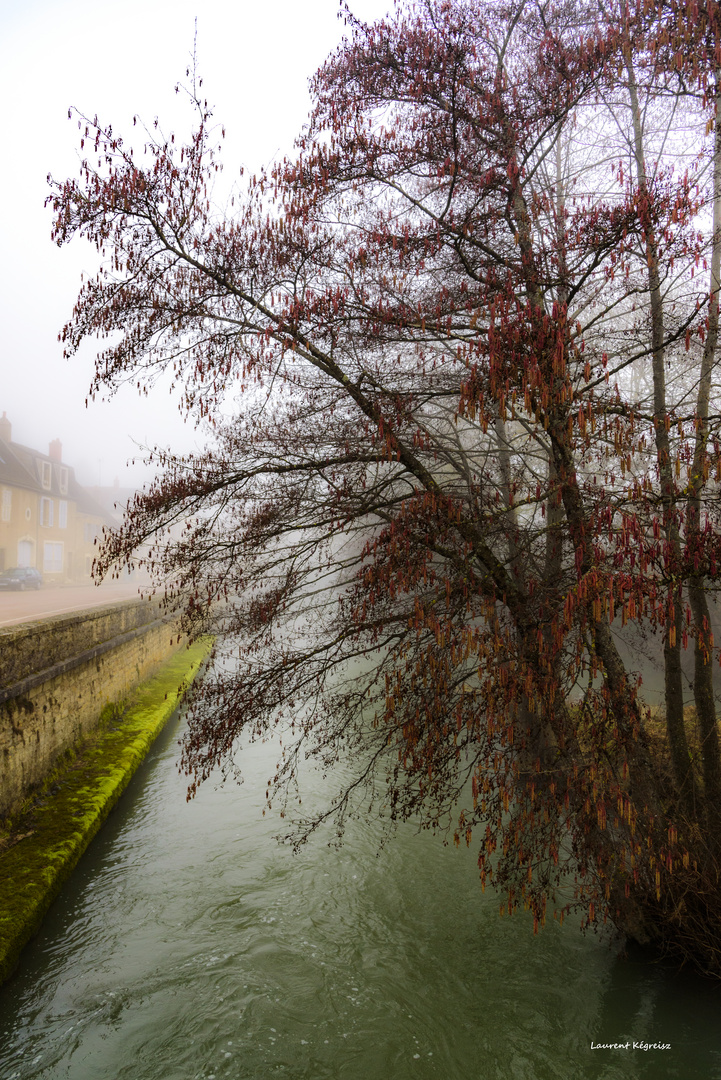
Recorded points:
21,577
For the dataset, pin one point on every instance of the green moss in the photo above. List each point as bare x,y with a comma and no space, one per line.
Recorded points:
55,832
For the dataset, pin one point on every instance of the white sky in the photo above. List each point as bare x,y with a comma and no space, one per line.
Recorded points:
115,59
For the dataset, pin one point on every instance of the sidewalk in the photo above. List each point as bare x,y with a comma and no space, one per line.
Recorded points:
18,607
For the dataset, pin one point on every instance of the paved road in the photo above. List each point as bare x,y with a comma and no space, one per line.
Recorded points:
17,607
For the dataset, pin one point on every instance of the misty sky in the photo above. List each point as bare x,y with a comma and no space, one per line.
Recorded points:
116,59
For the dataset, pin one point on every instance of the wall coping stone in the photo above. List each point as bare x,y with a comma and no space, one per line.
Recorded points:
32,647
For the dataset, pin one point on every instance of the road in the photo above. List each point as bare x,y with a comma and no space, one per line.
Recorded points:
17,607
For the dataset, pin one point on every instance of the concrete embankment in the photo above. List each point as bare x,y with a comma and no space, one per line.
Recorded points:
56,675
49,835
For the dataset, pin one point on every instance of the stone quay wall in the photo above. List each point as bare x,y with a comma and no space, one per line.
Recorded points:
58,674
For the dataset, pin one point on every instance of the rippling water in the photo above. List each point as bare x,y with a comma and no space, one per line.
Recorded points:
188,945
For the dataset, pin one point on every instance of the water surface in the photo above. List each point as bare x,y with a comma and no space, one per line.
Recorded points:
189,945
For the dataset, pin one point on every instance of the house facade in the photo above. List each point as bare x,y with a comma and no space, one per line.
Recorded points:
47,520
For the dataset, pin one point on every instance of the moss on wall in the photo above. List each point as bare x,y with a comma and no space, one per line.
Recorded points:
52,833
43,716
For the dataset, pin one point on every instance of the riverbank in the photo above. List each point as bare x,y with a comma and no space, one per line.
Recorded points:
50,835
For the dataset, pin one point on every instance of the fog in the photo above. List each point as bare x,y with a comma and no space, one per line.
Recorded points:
117,60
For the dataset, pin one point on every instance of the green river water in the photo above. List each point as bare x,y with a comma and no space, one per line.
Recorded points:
189,945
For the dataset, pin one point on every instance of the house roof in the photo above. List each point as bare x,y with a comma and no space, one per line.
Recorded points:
14,469
21,466
88,504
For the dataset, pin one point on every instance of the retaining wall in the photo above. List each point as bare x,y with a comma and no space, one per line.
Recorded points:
56,676
39,857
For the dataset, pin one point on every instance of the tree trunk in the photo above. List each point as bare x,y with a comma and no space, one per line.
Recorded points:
673,674
703,677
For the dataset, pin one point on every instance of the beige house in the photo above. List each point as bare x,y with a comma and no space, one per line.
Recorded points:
47,520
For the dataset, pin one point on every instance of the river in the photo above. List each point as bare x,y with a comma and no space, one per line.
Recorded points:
188,945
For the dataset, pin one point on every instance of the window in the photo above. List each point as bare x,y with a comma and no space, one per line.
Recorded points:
90,531
63,514
7,502
52,557
47,470
63,482
46,511
26,554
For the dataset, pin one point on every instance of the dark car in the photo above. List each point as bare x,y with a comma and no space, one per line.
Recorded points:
21,577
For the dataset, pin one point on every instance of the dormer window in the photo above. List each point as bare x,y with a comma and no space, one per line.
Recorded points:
63,480
47,471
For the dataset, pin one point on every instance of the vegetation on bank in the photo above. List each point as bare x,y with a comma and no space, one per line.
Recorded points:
42,844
